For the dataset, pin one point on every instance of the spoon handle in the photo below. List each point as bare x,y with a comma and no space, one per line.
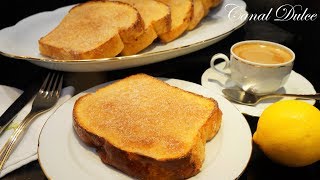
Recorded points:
301,96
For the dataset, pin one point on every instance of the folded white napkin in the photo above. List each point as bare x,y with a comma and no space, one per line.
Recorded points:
26,150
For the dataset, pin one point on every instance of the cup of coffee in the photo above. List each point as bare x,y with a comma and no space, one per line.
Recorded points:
257,66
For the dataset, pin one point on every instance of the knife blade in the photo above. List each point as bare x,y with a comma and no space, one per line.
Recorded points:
8,116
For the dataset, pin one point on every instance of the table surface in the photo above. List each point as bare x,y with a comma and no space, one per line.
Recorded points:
188,67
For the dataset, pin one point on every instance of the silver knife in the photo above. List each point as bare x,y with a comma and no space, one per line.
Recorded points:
7,117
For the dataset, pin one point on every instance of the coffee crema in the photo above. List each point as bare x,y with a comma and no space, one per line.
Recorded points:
262,53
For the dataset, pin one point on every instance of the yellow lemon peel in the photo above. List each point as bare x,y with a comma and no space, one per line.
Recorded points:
288,132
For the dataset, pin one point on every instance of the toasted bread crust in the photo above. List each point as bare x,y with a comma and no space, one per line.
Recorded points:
206,6
171,20
177,29
198,14
215,3
209,4
146,167
78,39
136,30
163,25
176,32
110,48
153,14
137,165
143,167
140,43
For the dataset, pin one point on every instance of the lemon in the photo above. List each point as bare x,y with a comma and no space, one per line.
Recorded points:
288,132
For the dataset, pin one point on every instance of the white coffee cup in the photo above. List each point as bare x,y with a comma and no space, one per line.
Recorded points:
254,65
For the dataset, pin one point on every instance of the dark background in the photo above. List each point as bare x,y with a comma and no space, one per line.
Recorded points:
301,37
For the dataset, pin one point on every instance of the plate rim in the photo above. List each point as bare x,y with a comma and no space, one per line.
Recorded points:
117,58
204,83
94,88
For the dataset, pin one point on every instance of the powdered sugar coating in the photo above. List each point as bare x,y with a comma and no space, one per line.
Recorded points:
136,116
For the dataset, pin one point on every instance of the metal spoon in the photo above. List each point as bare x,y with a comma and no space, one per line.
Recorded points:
247,98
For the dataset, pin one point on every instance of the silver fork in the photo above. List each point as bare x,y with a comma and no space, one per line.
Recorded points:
44,100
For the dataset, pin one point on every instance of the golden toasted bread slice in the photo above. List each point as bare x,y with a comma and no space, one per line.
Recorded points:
198,14
157,20
141,42
95,29
209,4
181,13
153,13
215,3
147,128
206,6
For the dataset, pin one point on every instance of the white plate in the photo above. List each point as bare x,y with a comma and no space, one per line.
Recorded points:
63,156
296,84
21,41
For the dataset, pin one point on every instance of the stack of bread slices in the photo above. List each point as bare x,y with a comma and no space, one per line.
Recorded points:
107,28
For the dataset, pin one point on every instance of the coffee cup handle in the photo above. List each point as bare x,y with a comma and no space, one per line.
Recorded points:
225,58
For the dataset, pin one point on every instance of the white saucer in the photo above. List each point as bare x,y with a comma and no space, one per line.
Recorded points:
296,84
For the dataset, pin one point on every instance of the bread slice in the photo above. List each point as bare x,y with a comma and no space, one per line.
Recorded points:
215,3
181,13
153,13
209,4
198,14
157,20
147,128
206,6
140,43
95,29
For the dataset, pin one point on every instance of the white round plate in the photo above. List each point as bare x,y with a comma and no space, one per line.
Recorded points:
63,156
296,84
7,96
21,41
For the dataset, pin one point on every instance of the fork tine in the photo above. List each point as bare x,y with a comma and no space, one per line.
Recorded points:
48,88
44,84
55,84
60,86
